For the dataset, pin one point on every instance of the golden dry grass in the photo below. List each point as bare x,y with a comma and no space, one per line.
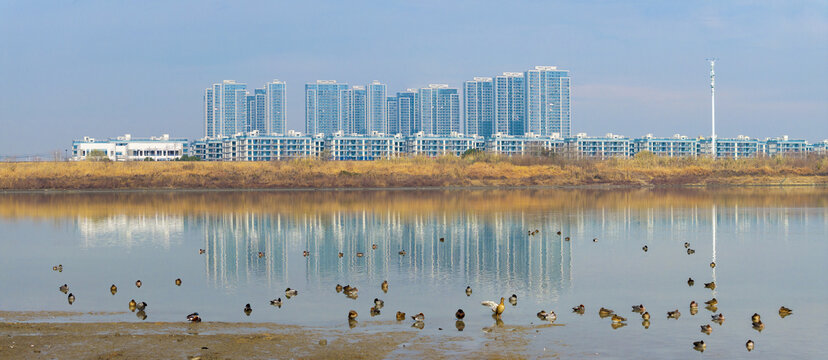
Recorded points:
645,170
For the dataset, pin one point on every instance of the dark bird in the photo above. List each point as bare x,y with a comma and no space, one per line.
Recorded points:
261,254
645,315
201,251
460,314
707,329
194,317
559,233
547,316
468,290
686,244
138,283
276,302
374,246
132,305
141,306
595,240
113,289
783,312
379,303
690,281
675,314
400,316
711,285
645,248
341,254
402,252
694,305
579,309
566,238
352,314
442,239
712,302
338,288
305,253
691,251
758,325
64,288
712,264
71,298
755,318
699,345
384,286
248,309
374,311
178,282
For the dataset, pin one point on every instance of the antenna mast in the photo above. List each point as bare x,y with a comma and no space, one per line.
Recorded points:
712,61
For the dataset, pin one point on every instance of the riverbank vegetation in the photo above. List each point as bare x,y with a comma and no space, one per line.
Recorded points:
474,169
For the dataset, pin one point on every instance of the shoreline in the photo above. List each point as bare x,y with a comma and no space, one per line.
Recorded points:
368,340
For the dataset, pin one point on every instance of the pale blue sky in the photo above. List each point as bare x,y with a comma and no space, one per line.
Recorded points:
104,68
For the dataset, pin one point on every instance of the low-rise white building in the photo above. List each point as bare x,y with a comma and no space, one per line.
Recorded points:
528,144
456,144
127,148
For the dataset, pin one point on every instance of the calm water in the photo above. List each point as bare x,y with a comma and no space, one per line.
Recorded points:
769,246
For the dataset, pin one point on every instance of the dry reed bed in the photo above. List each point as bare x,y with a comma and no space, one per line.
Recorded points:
483,170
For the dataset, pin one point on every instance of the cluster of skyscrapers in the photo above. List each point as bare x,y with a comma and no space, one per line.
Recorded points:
229,108
535,101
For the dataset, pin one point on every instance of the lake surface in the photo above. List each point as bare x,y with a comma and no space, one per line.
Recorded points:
769,245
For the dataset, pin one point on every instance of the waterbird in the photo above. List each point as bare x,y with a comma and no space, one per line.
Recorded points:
201,251
468,290
442,239
566,238
604,312
291,292
64,288
594,239
54,268
547,316
141,306
276,302
675,314
691,251
712,264
559,233
712,302
711,285
359,254
419,317
194,317
646,324
645,315
60,268
338,288
261,254
305,253
132,305
644,248
755,317
374,311
686,244
460,314
690,281
379,303
616,318
783,311
384,286
694,305
352,314
758,325
718,318
71,298
749,345
248,309
617,324
138,283
639,308
113,289
579,309
513,299
341,254
178,282
497,309
707,329
699,345
400,316
374,246
402,252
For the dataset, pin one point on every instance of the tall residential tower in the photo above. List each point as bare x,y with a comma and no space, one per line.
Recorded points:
547,101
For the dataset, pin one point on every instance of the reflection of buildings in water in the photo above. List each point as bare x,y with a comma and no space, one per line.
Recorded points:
493,250
129,231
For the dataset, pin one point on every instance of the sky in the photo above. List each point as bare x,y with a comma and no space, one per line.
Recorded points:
70,69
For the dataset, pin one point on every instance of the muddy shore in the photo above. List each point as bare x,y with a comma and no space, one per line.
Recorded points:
48,338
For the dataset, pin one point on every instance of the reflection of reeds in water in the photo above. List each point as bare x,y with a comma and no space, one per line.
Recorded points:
405,203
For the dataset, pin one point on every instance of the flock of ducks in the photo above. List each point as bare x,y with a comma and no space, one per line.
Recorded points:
497,308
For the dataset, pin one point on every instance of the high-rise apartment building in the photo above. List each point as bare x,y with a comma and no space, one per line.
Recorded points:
439,109
407,115
326,107
478,106
392,115
509,103
376,115
256,111
359,110
275,107
548,101
225,109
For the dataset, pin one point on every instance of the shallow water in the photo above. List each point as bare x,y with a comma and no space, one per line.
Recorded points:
769,245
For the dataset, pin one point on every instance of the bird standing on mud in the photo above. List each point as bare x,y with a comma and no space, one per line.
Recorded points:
497,309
